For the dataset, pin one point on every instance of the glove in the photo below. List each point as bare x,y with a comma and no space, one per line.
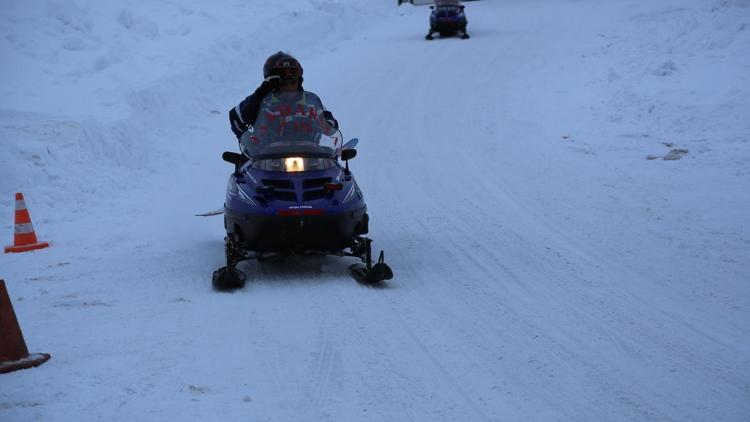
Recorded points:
270,83
238,126
330,119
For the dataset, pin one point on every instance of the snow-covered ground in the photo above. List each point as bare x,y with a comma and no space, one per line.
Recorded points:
563,198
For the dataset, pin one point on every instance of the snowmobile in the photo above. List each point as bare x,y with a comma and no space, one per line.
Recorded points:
290,194
447,18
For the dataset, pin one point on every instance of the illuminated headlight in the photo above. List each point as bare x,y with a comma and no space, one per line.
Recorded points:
294,164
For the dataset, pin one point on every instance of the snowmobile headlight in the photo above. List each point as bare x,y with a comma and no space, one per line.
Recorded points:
293,164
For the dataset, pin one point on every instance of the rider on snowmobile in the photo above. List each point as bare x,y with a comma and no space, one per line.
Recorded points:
447,17
281,73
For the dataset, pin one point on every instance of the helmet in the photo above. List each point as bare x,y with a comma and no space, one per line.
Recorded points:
283,65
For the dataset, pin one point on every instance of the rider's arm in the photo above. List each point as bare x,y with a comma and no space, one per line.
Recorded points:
242,116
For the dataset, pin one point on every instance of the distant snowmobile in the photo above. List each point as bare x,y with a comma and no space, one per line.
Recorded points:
290,195
447,18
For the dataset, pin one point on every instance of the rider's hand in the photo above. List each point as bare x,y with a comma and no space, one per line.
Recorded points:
330,119
271,82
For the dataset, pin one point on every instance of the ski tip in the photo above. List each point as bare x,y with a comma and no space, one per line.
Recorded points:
210,213
374,278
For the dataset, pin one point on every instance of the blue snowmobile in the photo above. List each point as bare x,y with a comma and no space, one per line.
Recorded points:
447,18
289,194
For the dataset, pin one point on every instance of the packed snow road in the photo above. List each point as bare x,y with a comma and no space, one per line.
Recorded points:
546,268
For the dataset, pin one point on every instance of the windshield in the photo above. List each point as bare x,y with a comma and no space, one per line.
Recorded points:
291,124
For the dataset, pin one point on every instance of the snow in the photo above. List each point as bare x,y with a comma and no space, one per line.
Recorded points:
563,199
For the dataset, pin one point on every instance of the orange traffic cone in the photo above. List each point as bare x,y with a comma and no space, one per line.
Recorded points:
24,238
13,352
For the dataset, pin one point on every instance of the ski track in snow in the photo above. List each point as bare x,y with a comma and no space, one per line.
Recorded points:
554,257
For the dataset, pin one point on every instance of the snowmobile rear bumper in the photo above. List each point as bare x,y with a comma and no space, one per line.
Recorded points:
448,26
296,233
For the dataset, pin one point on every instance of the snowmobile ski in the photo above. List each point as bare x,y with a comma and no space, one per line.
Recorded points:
372,275
228,278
